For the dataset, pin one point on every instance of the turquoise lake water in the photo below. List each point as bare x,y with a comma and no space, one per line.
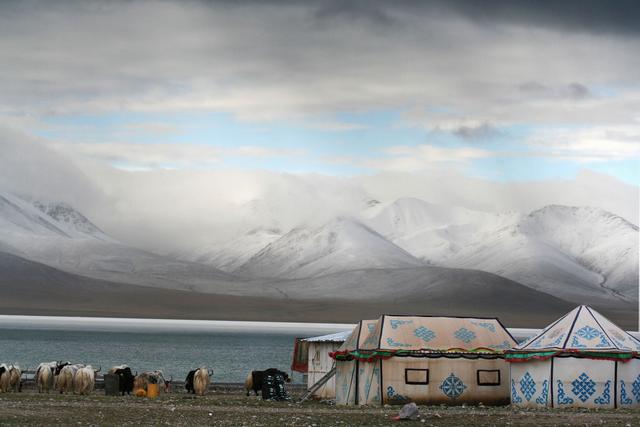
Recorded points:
231,355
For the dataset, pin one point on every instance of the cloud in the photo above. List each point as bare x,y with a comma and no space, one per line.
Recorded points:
267,61
136,156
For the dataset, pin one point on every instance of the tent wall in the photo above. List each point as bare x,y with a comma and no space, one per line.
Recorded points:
530,383
628,387
369,383
320,363
575,382
584,383
444,381
345,382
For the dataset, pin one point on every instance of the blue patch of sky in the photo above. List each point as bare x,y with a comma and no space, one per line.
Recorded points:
325,150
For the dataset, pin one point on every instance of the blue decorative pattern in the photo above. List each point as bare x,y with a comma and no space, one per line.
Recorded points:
425,333
624,399
588,333
636,389
395,323
563,399
505,345
392,395
371,327
583,387
463,334
576,343
486,325
544,395
527,386
557,342
393,343
514,394
452,386
605,397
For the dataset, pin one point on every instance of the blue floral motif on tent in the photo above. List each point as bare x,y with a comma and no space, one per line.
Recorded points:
486,325
527,386
583,387
393,343
624,399
371,327
452,386
463,334
636,389
372,339
393,395
563,399
505,345
425,333
588,333
576,343
395,323
544,394
557,342
514,394
605,398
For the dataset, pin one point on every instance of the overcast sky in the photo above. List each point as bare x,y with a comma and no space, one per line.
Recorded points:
123,107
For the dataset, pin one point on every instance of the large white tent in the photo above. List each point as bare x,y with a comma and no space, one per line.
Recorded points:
424,359
580,360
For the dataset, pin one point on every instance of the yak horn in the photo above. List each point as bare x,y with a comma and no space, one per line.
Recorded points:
210,372
99,369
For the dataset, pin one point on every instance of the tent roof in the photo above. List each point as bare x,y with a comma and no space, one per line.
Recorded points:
582,329
437,334
337,337
358,335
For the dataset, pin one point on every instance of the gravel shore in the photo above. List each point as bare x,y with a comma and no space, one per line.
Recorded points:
230,407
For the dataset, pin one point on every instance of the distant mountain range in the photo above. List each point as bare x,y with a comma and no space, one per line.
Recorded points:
389,256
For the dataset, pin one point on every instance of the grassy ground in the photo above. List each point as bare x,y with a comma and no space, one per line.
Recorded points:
232,408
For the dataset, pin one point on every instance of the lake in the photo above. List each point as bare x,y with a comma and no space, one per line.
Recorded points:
232,349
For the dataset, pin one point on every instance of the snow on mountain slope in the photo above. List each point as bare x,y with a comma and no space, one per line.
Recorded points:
73,221
568,251
408,216
339,245
230,255
598,240
63,238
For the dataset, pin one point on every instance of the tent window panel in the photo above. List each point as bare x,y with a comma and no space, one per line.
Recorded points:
488,377
416,376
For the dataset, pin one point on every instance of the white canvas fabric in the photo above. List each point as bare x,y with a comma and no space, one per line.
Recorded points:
530,383
582,329
628,391
586,383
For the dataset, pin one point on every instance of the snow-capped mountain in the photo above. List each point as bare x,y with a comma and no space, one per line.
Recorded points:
73,220
58,236
339,245
567,251
230,255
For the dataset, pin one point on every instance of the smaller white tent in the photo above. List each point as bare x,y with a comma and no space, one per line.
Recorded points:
580,360
320,363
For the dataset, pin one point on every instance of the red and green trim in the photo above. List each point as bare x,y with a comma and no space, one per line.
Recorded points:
372,355
545,355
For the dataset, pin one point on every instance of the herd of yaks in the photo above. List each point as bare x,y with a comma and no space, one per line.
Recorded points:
80,379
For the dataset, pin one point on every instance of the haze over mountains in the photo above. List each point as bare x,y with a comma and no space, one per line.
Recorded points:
388,255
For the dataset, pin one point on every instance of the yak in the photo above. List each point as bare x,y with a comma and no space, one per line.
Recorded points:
45,375
254,379
84,380
65,377
197,381
125,378
142,380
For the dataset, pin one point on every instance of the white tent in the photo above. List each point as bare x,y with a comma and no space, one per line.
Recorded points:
320,363
424,359
580,360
